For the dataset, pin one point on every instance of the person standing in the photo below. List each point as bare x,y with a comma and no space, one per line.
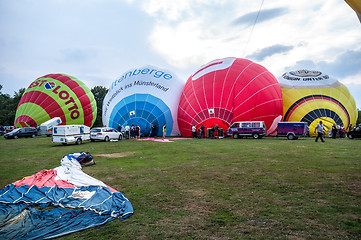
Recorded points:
137,132
164,130
334,131
342,131
127,129
194,131
203,132
132,131
154,130
319,128
216,129
211,132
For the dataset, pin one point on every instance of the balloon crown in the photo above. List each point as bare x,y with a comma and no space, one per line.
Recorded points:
305,73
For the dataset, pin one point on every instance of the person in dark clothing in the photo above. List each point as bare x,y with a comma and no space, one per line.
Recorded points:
211,132
154,130
203,132
334,131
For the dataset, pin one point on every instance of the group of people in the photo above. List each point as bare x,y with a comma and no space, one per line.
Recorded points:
130,132
335,129
201,132
338,129
134,131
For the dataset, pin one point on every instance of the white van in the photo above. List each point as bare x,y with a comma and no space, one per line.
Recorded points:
71,133
46,127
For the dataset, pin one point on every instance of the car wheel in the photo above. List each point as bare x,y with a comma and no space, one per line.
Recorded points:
106,139
350,136
92,140
255,135
290,137
33,136
120,137
235,135
78,141
16,137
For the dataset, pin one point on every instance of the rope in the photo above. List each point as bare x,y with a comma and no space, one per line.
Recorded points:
254,24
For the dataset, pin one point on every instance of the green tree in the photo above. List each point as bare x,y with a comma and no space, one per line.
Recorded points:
99,93
8,106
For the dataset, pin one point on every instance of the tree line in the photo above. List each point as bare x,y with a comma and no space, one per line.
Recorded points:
9,104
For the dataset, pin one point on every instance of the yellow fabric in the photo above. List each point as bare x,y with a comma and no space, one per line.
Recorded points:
356,6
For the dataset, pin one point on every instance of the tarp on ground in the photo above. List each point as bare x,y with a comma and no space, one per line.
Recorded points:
58,201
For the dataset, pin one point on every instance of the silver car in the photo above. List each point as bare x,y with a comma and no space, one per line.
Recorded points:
105,134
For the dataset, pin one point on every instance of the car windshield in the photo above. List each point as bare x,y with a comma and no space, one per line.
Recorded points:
96,130
15,130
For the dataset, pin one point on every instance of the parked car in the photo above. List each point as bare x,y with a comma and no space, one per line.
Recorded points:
255,129
105,134
354,133
22,132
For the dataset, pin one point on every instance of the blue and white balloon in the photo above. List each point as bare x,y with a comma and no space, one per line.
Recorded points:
144,96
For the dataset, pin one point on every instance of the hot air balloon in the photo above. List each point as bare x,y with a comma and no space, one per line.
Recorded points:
356,6
144,96
56,95
228,90
311,96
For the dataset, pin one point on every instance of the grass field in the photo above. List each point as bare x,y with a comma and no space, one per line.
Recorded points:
215,189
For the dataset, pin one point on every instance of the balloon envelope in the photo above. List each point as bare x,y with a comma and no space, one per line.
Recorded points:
311,96
144,96
56,95
228,90
356,6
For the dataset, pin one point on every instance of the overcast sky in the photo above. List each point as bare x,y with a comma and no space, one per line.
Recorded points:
97,41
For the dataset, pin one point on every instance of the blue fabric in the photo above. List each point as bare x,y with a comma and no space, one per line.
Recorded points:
38,213
148,110
20,221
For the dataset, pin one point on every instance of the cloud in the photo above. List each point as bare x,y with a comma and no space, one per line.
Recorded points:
265,15
261,54
77,55
171,10
345,65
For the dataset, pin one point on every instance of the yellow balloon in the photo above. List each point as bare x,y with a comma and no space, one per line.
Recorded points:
311,96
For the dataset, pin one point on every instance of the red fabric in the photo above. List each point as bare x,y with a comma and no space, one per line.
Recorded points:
45,102
44,178
239,91
79,92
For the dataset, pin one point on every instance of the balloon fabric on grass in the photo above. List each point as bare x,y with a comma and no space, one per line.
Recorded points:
58,201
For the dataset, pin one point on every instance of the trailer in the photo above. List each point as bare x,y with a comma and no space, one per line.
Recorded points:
71,133
46,128
292,130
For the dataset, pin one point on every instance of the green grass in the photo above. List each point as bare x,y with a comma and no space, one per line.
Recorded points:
215,189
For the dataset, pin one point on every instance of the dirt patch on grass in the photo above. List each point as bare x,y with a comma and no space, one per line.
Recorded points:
114,155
